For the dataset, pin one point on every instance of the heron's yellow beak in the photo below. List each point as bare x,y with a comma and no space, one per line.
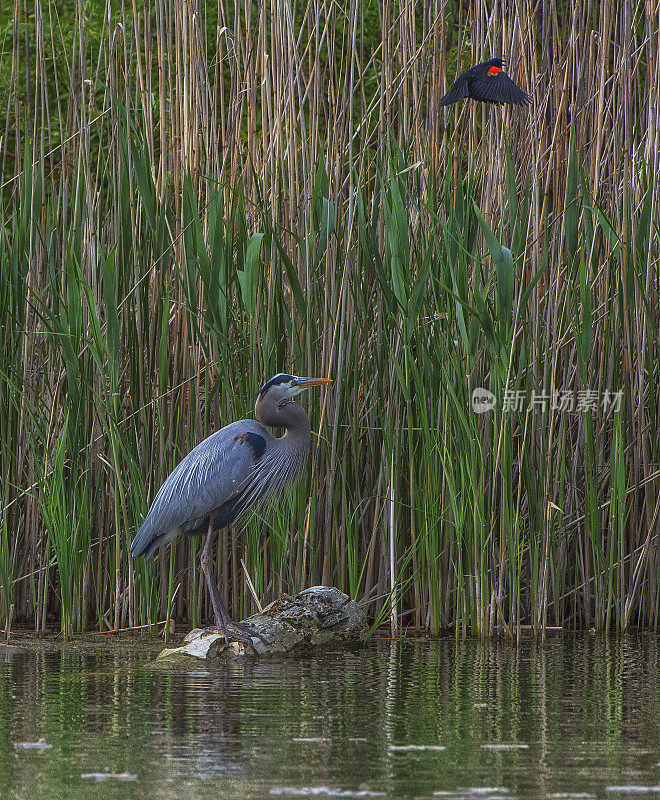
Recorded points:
306,383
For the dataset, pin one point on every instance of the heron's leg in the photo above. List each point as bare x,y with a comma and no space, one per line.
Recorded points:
223,622
205,561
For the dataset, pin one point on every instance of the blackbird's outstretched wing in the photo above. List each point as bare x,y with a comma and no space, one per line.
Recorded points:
498,88
457,92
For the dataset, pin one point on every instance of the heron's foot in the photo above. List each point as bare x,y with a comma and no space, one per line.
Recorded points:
243,631
252,628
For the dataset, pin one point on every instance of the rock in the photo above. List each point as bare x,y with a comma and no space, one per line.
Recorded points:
316,617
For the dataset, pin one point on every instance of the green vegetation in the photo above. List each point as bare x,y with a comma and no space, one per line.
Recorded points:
192,203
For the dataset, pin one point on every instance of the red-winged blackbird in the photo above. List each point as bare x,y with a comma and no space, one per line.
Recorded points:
486,82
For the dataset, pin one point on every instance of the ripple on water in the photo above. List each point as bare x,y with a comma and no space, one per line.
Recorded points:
467,792
40,744
402,748
108,776
322,791
505,746
311,739
570,796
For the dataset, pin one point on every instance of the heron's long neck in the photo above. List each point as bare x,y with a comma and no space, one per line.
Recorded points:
292,417
287,456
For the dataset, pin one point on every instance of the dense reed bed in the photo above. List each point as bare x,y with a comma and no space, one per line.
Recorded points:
197,196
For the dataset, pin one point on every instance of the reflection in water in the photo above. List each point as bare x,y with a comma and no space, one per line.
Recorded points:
571,719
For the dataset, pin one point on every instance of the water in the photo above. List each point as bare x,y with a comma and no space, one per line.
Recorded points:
371,723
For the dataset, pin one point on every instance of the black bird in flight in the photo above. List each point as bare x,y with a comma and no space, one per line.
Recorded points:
489,83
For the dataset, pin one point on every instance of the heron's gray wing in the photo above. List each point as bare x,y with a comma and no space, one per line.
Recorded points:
209,476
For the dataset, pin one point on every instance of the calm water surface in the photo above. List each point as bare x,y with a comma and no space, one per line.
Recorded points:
586,710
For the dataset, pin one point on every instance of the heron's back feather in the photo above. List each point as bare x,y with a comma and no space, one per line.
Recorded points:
223,477
204,480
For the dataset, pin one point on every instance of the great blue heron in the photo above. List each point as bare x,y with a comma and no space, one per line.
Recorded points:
227,474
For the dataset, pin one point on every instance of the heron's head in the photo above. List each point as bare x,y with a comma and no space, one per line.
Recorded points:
282,388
